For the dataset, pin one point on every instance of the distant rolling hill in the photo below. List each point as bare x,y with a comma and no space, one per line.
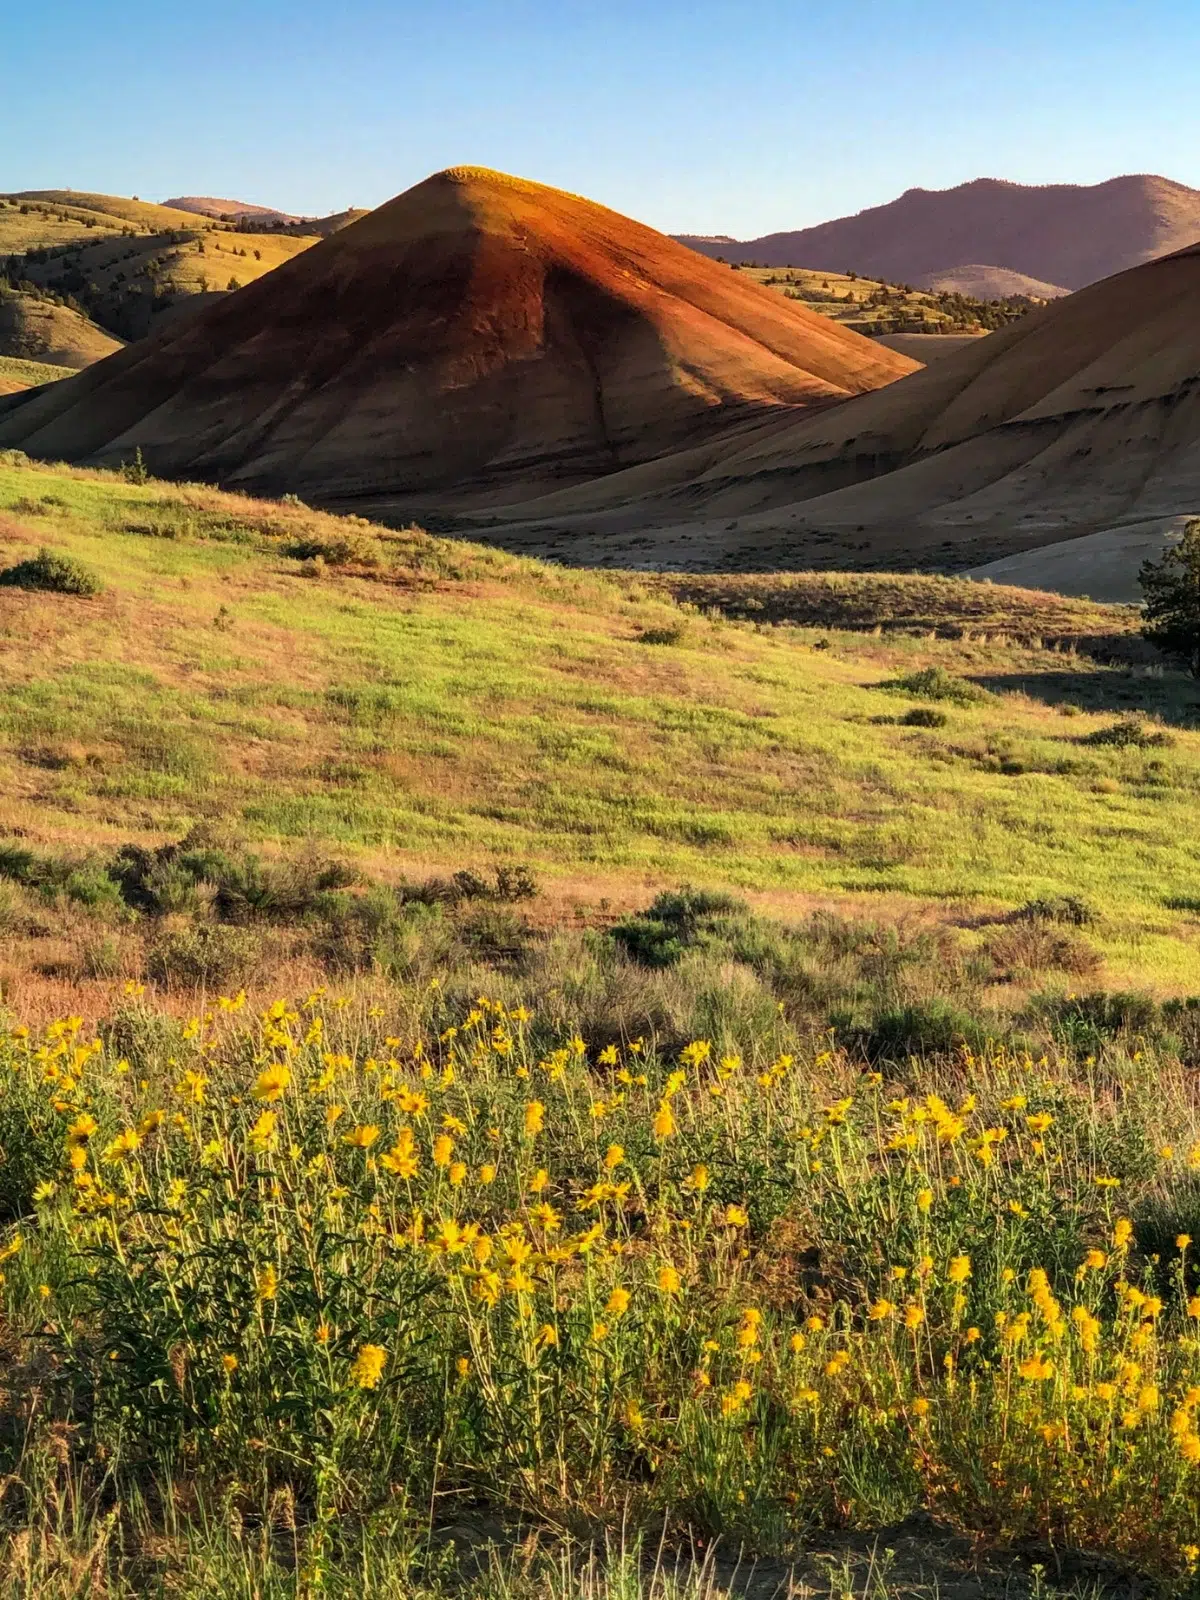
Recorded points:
992,283
33,328
480,336
229,210
1063,235
125,263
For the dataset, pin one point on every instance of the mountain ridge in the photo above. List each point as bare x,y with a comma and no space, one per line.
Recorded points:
1066,235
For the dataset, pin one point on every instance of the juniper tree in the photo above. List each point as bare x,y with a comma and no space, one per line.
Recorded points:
1171,587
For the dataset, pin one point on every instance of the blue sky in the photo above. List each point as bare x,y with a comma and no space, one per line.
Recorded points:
733,116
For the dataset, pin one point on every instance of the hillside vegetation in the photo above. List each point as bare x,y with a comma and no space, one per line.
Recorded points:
17,374
422,1177
123,263
425,703
38,327
874,306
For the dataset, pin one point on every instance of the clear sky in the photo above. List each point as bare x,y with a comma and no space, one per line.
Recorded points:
729,116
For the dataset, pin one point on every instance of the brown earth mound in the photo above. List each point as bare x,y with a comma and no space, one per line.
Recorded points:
1082,416
203,205
1058,233
479,336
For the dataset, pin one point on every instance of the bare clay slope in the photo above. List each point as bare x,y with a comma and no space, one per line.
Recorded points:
478,337
1083,415
1062,234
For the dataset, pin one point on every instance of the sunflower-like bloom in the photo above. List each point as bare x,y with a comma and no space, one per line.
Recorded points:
368,1366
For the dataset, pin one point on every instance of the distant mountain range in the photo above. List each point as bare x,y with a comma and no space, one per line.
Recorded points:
1056,237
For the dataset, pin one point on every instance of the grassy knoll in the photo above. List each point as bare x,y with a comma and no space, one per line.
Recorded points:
415,701
17,373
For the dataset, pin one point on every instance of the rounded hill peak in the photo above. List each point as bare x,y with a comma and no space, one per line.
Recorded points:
478,337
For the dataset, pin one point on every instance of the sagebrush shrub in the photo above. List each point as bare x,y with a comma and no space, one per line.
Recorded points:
53,573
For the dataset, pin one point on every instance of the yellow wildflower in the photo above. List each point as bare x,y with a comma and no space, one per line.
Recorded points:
272,1083
959,1269
368,1366
262,1134
362,1136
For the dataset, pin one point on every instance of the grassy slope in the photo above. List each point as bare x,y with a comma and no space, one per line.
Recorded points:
470,706
845,299
17,374
32,219
127,254
34,329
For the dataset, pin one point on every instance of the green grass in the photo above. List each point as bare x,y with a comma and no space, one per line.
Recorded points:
873,306
453,705
19,373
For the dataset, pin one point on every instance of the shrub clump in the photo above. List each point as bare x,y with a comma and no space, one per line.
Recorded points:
677,921
672,633
1066,908
53,573
924,717
1130,733
206,954
335,549
935,683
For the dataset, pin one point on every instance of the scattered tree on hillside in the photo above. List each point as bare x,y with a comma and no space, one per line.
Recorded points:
1171,586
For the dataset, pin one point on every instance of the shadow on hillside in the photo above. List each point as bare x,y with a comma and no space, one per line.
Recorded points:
1173,697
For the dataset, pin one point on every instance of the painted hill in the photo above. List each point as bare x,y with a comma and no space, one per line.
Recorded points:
229,210
1083,415
478,336
1064,234
33,328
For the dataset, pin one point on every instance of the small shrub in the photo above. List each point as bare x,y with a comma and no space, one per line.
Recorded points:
672,633
675,922
1086,1022
1130,733
507,886
924,717
494,933
135,471
935,683
1067,908
240,887
335,550
207,955
929,1028
1042,947
54,573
